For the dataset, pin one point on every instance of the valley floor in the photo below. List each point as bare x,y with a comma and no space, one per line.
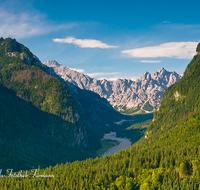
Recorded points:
124,143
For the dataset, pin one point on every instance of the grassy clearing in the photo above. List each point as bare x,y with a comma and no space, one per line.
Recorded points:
106,144
140,125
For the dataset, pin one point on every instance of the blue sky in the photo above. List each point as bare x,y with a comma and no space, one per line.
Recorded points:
106,39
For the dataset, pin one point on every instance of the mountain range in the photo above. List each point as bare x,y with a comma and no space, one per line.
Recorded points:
124,95
166,157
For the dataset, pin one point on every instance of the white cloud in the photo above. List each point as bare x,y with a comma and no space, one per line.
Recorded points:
148,61
84,43
180,50
22,25
134,78
78,70
100,74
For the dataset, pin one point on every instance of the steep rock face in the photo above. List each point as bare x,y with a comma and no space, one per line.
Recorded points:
122,92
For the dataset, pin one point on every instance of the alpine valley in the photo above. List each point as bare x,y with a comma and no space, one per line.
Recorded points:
46,118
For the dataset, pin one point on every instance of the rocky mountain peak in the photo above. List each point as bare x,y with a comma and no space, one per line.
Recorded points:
51,63
160,73
146,76
162,69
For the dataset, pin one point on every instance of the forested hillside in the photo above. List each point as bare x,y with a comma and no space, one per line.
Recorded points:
167,157
38,114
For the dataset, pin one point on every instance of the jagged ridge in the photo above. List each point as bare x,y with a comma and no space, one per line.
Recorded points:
123,93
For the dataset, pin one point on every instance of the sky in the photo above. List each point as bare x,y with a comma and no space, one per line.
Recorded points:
109,38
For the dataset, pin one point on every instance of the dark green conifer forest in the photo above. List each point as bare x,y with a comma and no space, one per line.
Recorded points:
166,157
